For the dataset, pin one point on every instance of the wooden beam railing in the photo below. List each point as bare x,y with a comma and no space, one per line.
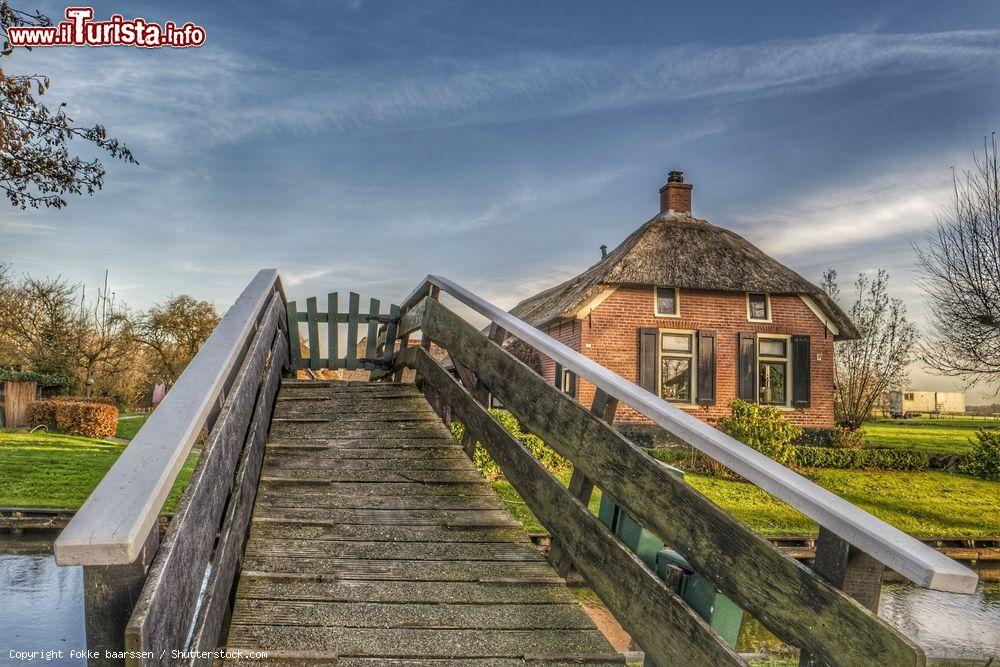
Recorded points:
173,596
799,605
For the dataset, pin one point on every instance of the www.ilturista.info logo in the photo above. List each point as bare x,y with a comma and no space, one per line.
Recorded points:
79,30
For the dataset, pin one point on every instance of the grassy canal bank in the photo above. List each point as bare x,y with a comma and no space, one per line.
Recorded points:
58,471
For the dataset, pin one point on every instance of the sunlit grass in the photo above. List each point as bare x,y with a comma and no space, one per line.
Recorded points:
923,504
58,471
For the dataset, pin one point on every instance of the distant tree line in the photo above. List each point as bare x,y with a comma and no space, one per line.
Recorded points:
95,341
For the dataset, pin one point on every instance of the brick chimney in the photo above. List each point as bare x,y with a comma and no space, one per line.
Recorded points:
676,194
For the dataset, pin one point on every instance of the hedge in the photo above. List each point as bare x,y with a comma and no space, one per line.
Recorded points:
103,400
545,454
46,380
87,418
860,459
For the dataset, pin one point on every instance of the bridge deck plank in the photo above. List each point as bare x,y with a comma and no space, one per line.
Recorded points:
374,538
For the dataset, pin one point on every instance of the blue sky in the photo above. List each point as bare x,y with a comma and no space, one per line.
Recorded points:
361,145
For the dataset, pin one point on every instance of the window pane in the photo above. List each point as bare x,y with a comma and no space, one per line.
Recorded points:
666,301
676,342
772,347
758,307
772,383
675,379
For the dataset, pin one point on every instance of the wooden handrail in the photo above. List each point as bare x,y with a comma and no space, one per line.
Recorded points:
889,545
112,525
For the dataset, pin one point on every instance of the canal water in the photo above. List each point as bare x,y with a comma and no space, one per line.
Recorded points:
41,608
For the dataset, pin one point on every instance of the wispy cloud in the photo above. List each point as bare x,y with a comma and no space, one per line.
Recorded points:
518,199
25,227
224,96
855,215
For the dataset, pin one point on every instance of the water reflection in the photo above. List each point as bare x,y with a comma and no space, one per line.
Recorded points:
42,609
42,602
945,625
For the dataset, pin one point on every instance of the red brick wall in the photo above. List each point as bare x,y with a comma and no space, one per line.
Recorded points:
569,333
609,336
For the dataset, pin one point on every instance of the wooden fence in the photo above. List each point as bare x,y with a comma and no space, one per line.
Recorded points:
376,324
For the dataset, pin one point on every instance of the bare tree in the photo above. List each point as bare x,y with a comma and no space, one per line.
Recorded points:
106,347
960,267
36,166
175,331
866,368
39,318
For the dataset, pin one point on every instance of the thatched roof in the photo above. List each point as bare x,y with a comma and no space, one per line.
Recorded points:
678,250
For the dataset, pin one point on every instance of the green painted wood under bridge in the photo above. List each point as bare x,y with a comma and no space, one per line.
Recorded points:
340,523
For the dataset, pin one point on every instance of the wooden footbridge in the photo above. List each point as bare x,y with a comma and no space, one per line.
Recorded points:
340,522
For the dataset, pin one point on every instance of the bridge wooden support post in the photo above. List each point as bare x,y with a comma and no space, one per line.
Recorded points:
109,595
479,391
604,406
851,570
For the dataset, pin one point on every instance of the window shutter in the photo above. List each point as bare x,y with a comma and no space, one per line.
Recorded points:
572,383
801,358
647,359
748,367
557,378
706,368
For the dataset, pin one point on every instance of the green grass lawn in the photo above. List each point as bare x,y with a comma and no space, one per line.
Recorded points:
58,471
944,434
923,504
128,425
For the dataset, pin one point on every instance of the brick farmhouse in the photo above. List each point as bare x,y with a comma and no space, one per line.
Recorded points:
699,316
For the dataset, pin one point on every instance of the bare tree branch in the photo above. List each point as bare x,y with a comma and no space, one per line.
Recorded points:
960,274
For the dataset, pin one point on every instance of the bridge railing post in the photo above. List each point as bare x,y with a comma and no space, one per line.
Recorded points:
851,570
580,485
109,596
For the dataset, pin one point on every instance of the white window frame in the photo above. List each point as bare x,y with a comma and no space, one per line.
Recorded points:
767,301
693,400
677,302
787,360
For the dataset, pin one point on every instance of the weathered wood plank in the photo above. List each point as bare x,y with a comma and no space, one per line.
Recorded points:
580,485
390,333
165,610
332,331
337,474
386,643
849,569
295,349
397,502
312,326
314,658
546,591
434,459
108,595
375,533
642,603
225,562
362,455
372,338
319,516
776,589
436,551
307,489
313,431
398,570
566,616
354,301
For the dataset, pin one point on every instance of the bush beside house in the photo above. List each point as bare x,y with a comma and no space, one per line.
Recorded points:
984,459
93,418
